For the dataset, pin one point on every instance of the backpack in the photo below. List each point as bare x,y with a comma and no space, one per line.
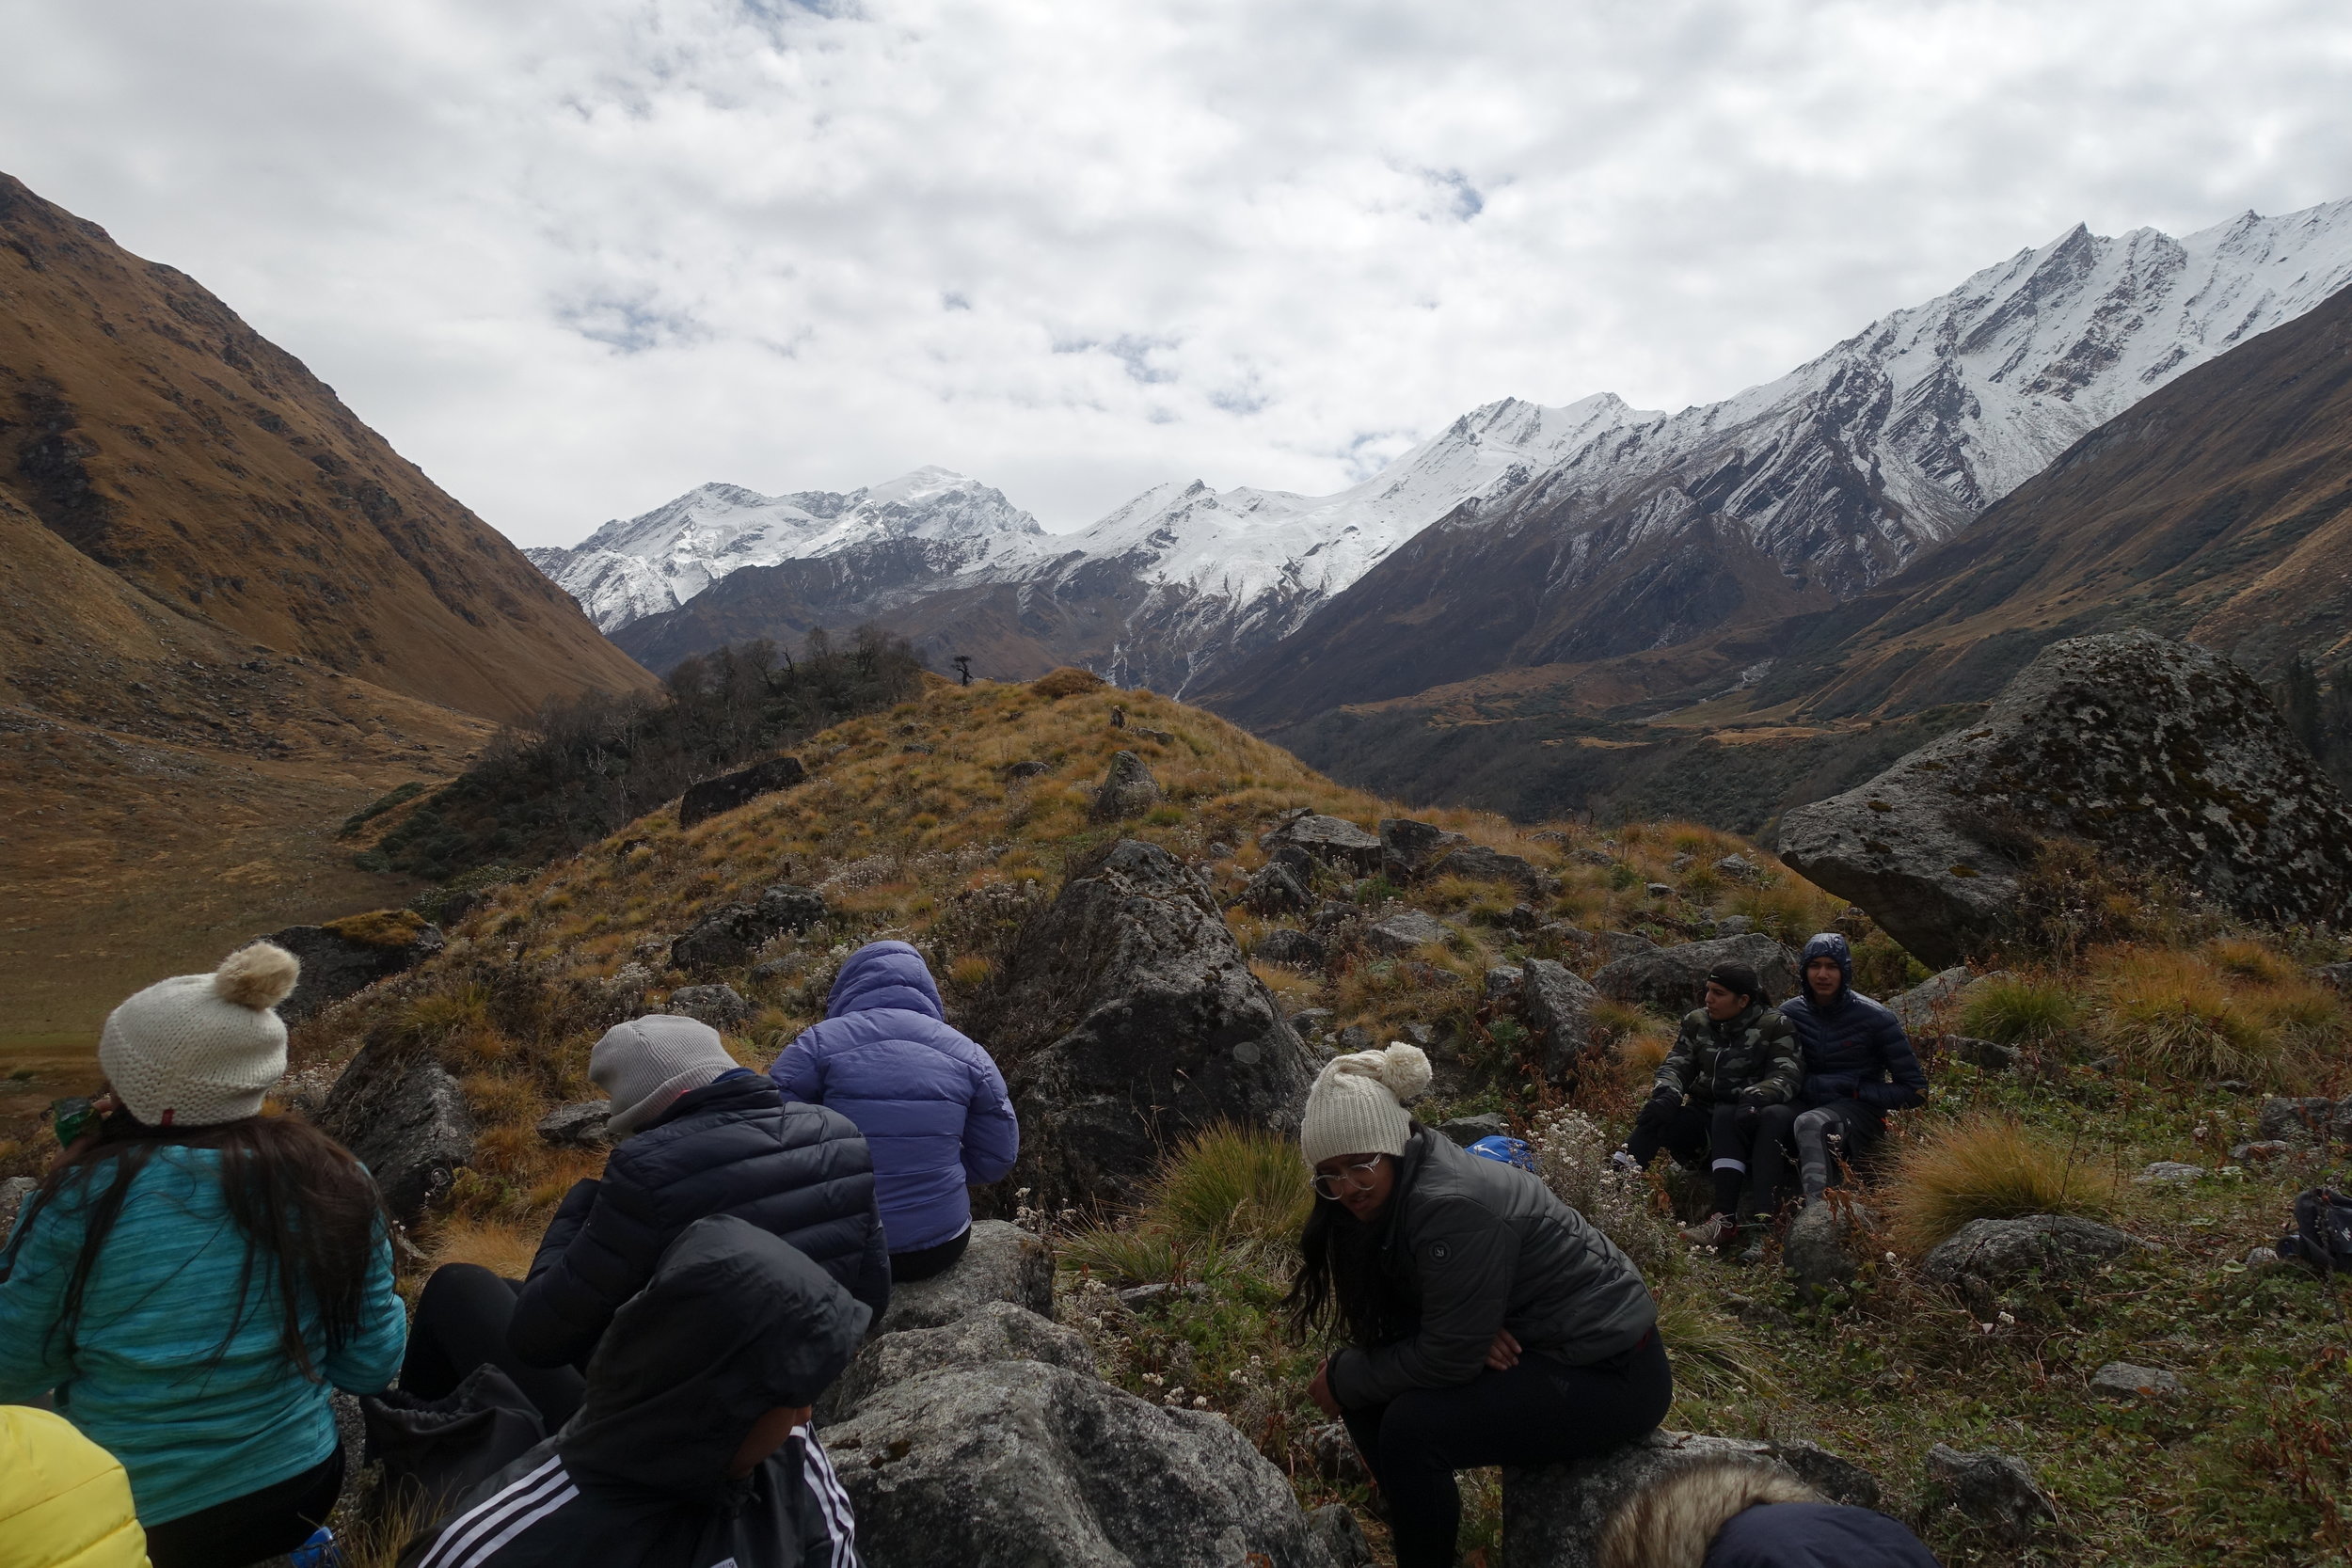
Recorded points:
436,1450
2322,1238
1504,1151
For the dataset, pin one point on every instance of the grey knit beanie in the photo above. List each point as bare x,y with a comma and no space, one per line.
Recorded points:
197,1050
644,1064
1357,1105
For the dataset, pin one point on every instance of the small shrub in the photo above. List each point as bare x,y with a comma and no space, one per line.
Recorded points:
1881,966
1231,1184
2169,1015
379,928
1124,1256
1987,1168
1066,682
1572,1156
2018,1012
971,970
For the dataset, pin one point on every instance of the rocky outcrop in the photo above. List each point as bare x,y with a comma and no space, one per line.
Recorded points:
1283,945
1986,1258
1274,889
577,1125
1332,841
1674,977
1558,1005
1128,1020
1403,931
1409,848
712,797
2163,757
402,1113
1915,1009
346,956
1992,1490
991,1331
2303,1119
720,1007
1482,864
1553,1514
1002,1263
729,938
1128,789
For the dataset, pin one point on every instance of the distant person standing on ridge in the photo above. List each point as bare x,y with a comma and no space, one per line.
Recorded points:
929,1100
1487,1323
1858,1066
695,1135
193,1279
1734,1059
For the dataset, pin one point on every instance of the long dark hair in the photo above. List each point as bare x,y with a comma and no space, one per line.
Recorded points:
1341,1286
309,1214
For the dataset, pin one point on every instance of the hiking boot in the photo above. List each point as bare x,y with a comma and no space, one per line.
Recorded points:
1752,1250
1624,1163
1712,1231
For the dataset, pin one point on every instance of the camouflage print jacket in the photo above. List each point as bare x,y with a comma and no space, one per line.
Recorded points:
1756,1051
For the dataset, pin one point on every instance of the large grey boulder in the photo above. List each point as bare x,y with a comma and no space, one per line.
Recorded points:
1992,1489
1128,1020
1403,931
405,1117
1553,1514
1409,848
1985,1258
1674,977
727,938
346,956
2303,1118
1002,1263
1128,789
2162,755
712,797
995,1331
1333,841
1028,1465
1558,1005
1915,1009
1275,888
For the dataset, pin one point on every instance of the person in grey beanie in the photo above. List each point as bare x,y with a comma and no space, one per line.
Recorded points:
695,1134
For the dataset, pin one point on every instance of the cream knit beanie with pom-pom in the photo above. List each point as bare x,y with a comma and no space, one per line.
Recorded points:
201,1048
1357,1103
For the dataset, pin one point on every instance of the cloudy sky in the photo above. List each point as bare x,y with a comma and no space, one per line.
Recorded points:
574,258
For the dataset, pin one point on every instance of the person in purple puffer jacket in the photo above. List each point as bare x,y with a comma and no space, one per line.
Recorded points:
931,1103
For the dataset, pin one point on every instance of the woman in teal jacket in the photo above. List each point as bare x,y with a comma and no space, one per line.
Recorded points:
193,1277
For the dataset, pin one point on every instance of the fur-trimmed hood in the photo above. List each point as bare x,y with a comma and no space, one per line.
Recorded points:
1671,1522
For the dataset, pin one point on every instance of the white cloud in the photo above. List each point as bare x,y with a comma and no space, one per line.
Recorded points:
574,258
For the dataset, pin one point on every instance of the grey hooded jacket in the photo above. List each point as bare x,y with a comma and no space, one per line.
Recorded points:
1485,1247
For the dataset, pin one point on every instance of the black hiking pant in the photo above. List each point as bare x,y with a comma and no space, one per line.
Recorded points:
928,1263
263,1523
462,1315
1823,1139
1721,1132
1540,1412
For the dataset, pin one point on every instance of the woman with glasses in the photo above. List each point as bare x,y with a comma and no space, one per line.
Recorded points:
1486,1321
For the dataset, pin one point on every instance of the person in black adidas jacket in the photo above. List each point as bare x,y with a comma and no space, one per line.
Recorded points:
693,1447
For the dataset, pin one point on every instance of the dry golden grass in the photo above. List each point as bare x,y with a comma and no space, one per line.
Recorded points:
2235,1009
1988,1168
505,1247
379,928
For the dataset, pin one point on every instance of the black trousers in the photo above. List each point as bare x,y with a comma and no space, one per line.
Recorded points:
1823,1139
264,1524
461,1322
1540,1412
1721,1133
928,1261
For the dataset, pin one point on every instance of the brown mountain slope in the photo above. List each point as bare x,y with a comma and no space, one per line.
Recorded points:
147,426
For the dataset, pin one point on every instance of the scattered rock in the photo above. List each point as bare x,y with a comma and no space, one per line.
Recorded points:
1482,864
2338,976
1558,1005
1467,1131
1355,1037
1985,1258
2167,1173
712,797
1157,737
1989,1055
13,1192
1137,1296
1503,985
1335,1524
720,1007
1029,768
1739,868
1283,945
1022,1461
346,956
1734,926
2303,1121
1001,1263
578,1124
2261,1154
993,1331
1659,890
1336,1459
1553,1514
2122,1381
1128,789
789,967
1404,931
1332,841
1682,862
1219,850
1275,889
728,937
1675,977
1590,856
1423,1034
1815,1250
1994,1490
2161,756
1129,1019
1312,1021
1625,945
1409,848
402,1116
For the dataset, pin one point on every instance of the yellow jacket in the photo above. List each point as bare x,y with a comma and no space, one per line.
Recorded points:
64,1500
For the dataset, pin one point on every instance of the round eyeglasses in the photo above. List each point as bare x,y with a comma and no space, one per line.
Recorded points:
1351,1178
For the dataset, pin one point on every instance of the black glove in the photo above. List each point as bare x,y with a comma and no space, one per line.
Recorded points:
1666,1094
1755,1098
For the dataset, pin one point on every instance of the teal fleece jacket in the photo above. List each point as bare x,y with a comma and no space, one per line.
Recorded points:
142,1382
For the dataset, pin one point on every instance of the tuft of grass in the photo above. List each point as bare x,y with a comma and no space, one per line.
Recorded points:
379,928
2243,959
2169,1015
1713,1361
1121,1257
1066,682
2019,1012
1230,1183
971,970
1988,1168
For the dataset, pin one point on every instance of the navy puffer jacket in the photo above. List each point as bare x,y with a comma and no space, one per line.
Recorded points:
1855,1048
734,1146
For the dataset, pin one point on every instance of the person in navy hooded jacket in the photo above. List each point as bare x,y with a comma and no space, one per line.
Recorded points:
1858,1066
931,1103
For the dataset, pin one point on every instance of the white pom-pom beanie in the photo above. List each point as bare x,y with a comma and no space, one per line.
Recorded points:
197,1050
1357,1103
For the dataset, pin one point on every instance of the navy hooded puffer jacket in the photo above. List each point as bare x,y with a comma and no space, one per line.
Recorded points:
931,1103
1855,1048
